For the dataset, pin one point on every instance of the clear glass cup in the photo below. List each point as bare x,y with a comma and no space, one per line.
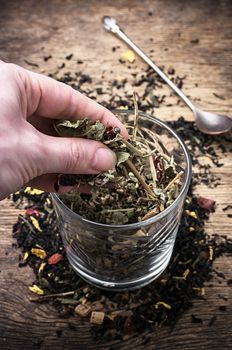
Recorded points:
123,257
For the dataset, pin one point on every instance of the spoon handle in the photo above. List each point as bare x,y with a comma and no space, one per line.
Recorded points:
110,25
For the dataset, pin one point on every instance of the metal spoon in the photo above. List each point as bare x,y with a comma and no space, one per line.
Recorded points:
207,122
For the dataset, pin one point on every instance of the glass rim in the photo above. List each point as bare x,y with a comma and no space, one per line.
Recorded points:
157,217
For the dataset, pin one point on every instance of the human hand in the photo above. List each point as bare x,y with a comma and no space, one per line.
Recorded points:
30,152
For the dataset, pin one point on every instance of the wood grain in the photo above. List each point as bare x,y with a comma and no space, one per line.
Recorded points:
32,29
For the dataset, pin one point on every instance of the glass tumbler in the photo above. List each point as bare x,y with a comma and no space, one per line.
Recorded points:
124,257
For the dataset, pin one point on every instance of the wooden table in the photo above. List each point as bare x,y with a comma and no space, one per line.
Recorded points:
195,37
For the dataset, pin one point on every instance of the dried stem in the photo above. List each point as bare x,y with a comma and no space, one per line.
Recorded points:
131,148
124,169
136,117
131,166
151,213
156,139
152,166
51,296
153,170
116,210
173,181
87,205
154,145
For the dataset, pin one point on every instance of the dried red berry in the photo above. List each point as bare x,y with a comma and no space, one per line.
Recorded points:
55,258
159,168
32,212
111,133
206,203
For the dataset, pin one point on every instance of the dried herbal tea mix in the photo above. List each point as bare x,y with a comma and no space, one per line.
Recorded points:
145,181
117,315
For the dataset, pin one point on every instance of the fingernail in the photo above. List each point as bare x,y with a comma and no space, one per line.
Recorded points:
104,159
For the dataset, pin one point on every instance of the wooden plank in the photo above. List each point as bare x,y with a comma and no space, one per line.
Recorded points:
32,29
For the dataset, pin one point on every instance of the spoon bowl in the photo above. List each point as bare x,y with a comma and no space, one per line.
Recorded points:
211,123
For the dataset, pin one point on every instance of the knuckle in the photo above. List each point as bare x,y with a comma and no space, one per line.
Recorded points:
37,152
73,160
67,110
104,116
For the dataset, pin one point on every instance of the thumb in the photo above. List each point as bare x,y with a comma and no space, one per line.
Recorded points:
76,156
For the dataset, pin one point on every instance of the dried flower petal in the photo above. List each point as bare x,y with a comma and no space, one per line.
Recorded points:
35,289
123,107
55,258
186,273
191,213
167,306
40,253
25,256
211,253
35,223
42,266
206,203
32,212
33,191
129,56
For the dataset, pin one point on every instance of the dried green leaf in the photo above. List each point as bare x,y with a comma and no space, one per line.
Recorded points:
70,128
118,218
122,157
84,128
